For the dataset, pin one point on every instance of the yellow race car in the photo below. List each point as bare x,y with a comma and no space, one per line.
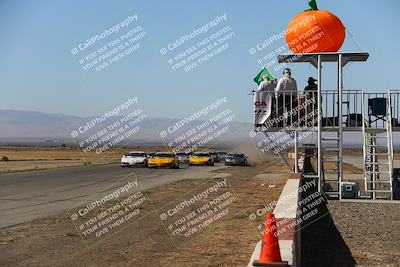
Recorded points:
163,160
201,158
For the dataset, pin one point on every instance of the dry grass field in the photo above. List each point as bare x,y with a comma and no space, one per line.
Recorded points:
41,158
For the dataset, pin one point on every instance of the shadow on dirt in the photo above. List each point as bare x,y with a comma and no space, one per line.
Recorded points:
321,242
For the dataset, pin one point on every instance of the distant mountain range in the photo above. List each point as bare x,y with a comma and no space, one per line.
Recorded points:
16,124
38,128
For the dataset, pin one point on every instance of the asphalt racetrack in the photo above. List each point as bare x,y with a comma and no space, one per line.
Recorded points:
26,196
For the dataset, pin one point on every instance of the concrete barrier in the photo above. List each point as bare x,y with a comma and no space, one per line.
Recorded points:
288,230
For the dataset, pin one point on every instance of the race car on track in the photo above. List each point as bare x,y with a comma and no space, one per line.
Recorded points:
134,158
236,159
201,158
163,159
215,156
182,157
221,155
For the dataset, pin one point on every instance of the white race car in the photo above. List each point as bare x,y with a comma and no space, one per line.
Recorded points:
134,158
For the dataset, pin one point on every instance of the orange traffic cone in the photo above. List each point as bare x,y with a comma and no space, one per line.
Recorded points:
270,254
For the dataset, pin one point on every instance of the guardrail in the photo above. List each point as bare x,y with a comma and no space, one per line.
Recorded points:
286,214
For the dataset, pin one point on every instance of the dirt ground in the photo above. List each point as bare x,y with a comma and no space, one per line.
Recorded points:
42,158
226,242
49,153
352,234
371,231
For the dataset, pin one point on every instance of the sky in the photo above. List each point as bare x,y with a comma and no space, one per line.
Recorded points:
38,71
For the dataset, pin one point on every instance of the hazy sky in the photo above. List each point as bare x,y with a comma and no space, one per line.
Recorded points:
38,71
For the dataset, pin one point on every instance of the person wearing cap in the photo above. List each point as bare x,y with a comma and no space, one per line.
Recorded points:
286,93
311,91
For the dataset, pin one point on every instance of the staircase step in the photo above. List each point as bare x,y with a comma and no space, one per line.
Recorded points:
331,149
330,160
308,147
377,182
369,172
378,191
375,130
330,170
331,127
331,139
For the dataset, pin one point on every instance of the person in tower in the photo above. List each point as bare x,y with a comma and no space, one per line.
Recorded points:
286,92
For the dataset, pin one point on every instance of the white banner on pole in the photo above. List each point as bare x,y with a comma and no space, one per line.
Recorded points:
262,106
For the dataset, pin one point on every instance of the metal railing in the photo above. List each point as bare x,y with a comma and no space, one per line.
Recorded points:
351,109
293,109
299,109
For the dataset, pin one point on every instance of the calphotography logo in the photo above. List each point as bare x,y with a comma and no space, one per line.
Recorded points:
200,129
105,215
108,47
207,206
110,129
192,49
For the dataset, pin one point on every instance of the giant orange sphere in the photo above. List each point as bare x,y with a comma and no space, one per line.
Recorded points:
315,31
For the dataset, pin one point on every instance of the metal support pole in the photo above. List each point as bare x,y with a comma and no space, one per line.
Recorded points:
319,124
365,136
340,119
390,142
374,165
296,160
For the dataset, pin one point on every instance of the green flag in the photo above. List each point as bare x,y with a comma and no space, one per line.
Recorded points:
264,72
